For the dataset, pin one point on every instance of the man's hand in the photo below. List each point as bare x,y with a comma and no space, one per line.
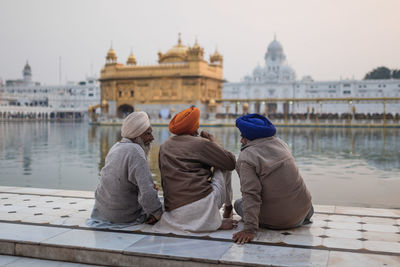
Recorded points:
155,186
151,220
243,237
207,135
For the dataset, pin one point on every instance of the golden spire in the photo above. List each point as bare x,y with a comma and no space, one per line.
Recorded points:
111,55
131,59
216,57
179,39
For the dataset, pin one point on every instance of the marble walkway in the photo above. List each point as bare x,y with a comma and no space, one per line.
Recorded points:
48,224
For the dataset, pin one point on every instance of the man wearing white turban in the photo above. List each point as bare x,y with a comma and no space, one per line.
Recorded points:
126,193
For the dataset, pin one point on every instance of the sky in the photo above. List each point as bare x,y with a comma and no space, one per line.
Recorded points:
326,39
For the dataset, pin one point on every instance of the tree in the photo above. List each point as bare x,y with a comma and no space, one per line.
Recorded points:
378,74
396,74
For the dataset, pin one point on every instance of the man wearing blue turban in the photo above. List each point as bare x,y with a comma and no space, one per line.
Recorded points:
274,194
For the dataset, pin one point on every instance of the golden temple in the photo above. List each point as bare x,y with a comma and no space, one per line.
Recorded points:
181,78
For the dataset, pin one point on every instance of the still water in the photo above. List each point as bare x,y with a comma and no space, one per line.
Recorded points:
353,167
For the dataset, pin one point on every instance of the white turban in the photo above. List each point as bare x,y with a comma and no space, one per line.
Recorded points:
135,124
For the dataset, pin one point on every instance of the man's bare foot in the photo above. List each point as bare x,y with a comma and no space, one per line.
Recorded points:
228,211
228,224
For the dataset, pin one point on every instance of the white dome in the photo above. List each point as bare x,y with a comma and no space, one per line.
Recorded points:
275,46
257,71
288,73
287,69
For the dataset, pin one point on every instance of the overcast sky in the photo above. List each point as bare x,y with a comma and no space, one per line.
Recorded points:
326,39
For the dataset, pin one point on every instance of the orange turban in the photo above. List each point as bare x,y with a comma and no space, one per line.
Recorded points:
185,122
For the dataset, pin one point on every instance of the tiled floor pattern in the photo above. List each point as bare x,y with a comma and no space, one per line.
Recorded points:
337,235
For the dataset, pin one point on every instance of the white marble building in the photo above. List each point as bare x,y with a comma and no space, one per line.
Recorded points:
273,88
50,101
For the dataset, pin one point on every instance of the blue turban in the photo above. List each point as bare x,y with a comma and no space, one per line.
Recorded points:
253,126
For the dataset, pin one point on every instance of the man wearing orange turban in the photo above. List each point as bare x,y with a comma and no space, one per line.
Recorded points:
185,122
196,178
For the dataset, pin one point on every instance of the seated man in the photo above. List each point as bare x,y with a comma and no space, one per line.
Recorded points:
274,195
192,201
126,193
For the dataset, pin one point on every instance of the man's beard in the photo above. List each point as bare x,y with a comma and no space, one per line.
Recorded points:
146,148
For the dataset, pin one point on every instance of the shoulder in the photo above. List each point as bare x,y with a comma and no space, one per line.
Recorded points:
245,155
184,139
131,150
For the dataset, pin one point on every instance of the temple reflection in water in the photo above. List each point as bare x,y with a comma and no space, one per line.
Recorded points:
340,165
377,146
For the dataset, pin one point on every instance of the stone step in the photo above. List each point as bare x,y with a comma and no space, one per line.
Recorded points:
50,224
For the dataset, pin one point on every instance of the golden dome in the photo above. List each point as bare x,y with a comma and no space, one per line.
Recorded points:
216,57
131,60
178,49
177,53
111,55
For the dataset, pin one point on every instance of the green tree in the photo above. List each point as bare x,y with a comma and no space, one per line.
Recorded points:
378,73
396,74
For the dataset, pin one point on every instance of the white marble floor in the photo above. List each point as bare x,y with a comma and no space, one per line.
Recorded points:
13,261
339,236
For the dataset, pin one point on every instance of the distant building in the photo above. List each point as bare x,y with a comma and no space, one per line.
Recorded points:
27,78
273,88
181,79
24,98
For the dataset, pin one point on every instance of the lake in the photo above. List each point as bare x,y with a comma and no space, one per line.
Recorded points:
341,166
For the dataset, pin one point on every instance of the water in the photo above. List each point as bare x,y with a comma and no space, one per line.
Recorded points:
351,167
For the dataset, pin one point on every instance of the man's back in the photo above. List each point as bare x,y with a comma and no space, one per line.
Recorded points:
185,163
117,192
285,199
